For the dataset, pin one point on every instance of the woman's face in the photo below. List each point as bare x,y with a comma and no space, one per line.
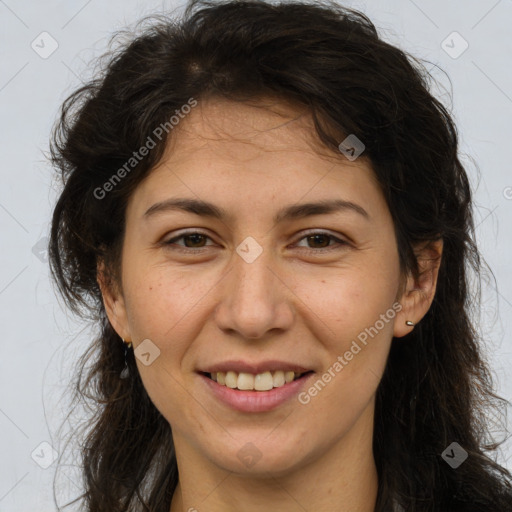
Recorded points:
254,291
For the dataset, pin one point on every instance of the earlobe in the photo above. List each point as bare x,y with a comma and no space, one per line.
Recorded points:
419,292
113,302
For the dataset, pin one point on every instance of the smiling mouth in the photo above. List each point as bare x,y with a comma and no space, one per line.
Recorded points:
260,382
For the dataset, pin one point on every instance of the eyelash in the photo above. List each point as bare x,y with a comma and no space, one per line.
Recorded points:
188,250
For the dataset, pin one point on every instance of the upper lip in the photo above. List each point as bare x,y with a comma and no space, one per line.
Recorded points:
254,367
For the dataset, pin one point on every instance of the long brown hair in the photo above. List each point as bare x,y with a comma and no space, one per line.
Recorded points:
436,388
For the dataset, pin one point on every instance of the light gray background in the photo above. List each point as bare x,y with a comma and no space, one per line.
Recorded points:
40,341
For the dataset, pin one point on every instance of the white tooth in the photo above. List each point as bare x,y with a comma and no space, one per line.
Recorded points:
278,379
245,381
263,381
231,380
289,376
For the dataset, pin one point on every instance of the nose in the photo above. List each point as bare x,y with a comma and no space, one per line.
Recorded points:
254,299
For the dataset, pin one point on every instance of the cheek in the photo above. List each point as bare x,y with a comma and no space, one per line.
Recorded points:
164,304
343,302
154,300
353,318
160,308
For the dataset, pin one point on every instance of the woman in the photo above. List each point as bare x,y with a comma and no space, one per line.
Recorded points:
265,204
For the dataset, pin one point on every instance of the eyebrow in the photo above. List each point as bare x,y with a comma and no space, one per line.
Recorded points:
292,212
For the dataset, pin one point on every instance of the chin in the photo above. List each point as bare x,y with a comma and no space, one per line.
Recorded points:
260,458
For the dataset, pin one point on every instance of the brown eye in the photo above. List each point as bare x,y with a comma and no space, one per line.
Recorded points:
192,240
319,241
195,239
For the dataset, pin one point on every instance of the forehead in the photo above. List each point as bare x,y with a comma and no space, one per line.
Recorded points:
264,124
252,152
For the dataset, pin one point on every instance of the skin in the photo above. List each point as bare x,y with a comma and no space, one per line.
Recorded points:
211,305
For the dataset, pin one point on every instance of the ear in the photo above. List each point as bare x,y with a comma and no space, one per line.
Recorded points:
417,294
113,301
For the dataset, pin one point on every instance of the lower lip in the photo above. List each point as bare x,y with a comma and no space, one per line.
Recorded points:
255,401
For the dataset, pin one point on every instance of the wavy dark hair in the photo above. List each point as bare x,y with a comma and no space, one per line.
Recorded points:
437,388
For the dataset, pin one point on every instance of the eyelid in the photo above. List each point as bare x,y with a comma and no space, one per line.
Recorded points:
181,234
319,231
